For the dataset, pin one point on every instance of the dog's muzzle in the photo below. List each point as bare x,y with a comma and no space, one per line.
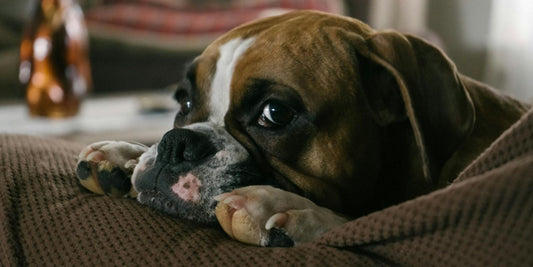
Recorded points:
182,174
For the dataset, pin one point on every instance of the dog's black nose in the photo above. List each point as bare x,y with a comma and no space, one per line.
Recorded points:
180,145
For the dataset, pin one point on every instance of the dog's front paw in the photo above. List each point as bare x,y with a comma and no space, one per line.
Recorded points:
267,216
106,167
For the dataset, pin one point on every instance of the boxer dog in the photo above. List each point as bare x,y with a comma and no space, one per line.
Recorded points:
292,125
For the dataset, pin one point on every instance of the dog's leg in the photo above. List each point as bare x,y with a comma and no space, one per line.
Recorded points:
267,216
106,167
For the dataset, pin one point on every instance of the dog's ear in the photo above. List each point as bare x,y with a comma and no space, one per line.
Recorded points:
404,76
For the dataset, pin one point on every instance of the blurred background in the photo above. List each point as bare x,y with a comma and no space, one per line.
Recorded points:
138,50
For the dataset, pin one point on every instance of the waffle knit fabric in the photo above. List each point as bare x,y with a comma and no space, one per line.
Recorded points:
485,218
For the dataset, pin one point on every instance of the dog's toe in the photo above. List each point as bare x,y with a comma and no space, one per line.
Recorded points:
239,225
106,167
88,178
113,180
278,238
103,178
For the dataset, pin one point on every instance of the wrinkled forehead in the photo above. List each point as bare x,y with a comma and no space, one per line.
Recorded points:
212,72
264,44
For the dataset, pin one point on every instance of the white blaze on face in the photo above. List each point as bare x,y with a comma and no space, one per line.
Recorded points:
230,53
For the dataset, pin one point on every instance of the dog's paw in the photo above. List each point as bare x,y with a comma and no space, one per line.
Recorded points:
106,167
267,216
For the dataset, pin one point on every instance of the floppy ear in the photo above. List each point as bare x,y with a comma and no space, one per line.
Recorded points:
404,76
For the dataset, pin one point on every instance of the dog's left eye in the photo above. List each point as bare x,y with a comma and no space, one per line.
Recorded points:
275,114
185,102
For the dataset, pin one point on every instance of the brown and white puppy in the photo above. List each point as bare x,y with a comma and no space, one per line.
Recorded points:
322,107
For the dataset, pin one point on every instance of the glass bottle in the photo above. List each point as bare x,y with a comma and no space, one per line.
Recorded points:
54,62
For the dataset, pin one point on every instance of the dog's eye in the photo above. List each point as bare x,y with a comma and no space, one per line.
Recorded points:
275,115
185,102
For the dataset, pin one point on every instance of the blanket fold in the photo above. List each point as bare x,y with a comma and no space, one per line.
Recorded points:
484,218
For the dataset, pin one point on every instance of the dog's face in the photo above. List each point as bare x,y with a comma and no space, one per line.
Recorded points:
281,101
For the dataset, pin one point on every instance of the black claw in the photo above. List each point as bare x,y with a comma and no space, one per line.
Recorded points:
115,182
278,238
83,170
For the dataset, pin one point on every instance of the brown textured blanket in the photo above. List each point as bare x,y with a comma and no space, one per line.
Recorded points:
46,218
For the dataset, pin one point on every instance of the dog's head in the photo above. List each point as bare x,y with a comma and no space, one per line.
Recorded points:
313,103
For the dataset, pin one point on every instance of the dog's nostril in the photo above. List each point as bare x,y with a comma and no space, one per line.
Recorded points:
180,145
198,150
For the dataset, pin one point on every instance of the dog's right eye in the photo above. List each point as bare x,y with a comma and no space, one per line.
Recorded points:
275,114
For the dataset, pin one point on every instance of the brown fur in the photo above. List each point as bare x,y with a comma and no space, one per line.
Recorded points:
387,118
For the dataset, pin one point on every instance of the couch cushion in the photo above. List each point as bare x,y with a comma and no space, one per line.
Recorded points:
47,218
